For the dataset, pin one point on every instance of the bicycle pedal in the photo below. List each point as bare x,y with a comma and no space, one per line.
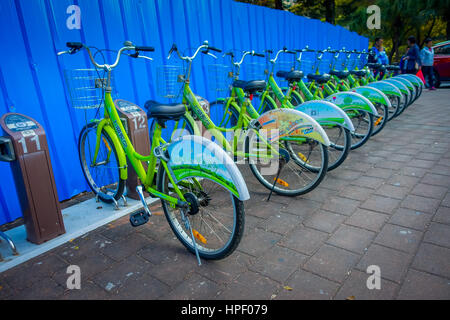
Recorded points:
139,218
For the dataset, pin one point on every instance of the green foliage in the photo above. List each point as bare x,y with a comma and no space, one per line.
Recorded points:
399,18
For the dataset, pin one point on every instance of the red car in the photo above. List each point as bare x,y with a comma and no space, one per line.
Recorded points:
442,62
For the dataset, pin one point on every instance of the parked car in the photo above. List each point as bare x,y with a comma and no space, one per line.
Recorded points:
442,62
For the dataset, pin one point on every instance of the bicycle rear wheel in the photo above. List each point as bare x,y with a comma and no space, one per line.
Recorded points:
216,220
363,123
381,120
103,175
299,169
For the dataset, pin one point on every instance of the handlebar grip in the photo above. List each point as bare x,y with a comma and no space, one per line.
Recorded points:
142,48
268,51
74,45
214,49
259,55
290,51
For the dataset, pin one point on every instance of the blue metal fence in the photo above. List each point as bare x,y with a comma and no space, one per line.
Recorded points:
32,75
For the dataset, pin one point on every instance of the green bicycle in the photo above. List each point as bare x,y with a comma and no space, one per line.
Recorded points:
200,188
269,143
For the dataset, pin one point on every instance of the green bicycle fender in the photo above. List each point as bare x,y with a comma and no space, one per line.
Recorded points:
291,122
413,78
406,82
326,113
404,89
195,156
352,101
272,101
386,88
374,95
120,153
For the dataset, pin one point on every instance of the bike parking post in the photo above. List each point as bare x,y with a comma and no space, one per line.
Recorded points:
25,147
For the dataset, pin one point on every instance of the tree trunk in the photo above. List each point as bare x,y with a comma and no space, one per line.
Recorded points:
279,4
330,11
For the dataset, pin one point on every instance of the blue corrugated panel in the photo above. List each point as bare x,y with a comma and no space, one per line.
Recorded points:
32,75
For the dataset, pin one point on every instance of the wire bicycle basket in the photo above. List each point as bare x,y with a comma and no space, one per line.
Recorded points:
254,71
170,80
307,66
86,87
219,77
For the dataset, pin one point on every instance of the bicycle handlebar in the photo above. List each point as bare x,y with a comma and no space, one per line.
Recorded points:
205,46
128,46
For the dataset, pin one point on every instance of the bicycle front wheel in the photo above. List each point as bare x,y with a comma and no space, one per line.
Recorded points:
103,173
381,119
218,222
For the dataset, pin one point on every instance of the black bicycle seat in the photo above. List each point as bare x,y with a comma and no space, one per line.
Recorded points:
392,68
291,76
358,73
319,78
250,86
160,111
374,65
340,74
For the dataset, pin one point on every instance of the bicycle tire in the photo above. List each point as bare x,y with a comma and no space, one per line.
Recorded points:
177,225
97,186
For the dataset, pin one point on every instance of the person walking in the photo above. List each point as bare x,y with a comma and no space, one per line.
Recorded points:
427,59
412,59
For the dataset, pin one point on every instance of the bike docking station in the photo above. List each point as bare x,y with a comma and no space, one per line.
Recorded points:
135,122
23,144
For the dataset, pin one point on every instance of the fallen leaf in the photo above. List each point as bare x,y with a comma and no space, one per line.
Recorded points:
350,298
287,288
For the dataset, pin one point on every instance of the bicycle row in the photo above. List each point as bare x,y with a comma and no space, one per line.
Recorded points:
289,135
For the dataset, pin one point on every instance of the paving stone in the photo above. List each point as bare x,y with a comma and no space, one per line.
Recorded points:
332,263
225,270
304,240
355,288
281,223
411,219
257,242
424,286
325,221
118,229
403,181
413,171
380,204
368,182
308,286
440,169
379,173
356,193
45,289
399,238
25,275
341,205
119,273
391,191
196,287
366,219
426,164
320,194
428,156
345,174
351,238
393,263
446,201
436,179
302,207
420,204
88,291
250,285
125,247
442,215
333,183
433,259
389,165
279,263
87,246
402,158
429,191
439,234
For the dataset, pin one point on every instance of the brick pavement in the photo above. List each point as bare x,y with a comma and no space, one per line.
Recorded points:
387,205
